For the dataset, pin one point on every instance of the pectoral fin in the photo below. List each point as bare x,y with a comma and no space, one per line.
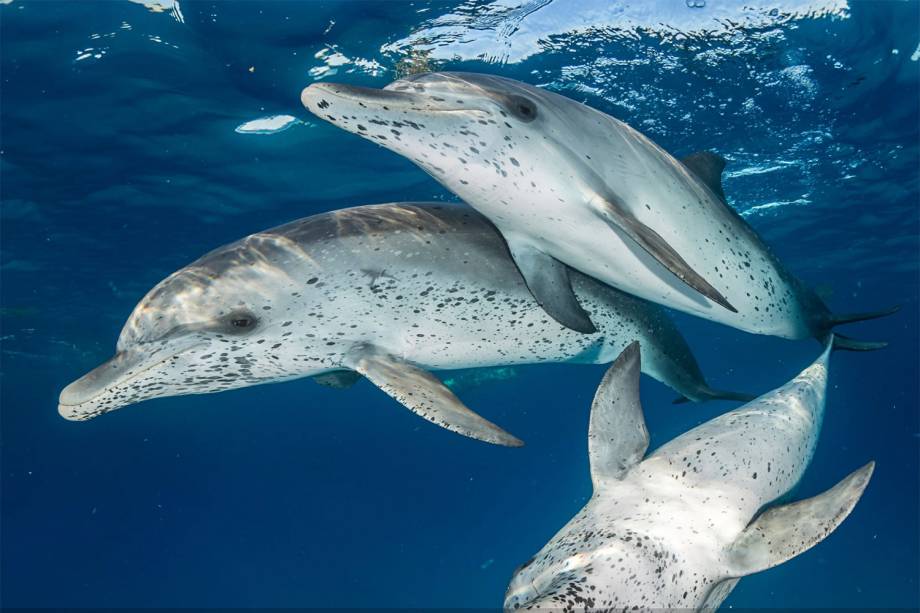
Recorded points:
784,532
618,216
617,436
548,281
424,395
718,593
339,379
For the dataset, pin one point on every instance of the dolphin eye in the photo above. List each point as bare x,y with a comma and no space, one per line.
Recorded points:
522,108
240,322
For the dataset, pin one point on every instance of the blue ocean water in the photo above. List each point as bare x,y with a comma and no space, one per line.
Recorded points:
127,152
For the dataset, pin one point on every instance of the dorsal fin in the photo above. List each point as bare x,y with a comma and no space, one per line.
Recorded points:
617,436
708,167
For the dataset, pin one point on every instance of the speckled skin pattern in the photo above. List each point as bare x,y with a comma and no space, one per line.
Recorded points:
545,169
658,537
431,284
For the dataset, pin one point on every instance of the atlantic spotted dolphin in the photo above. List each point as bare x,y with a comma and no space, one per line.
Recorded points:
388,292
678,529
567,184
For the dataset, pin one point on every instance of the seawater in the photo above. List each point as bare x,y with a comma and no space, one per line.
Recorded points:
136,136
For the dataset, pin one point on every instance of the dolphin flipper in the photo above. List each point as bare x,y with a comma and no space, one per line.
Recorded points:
617,436
784,532
423,394
617,216
339,379
717,594
548,281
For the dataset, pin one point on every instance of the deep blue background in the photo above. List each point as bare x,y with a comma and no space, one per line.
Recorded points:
119,169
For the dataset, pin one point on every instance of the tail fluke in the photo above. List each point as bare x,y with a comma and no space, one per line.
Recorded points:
846,343
839,320
711,394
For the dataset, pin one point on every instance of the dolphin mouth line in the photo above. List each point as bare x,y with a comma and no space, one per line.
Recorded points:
125,381
383,97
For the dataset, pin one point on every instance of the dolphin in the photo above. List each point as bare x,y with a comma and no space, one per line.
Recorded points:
387,291
567,184
679,528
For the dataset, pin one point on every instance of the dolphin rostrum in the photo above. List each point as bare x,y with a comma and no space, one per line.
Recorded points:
567,184
388,292
679,528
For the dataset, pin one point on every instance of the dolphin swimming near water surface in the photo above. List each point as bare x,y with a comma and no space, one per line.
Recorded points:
567,184
388,292
679,528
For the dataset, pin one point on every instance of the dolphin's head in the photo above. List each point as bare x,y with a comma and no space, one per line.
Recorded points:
586,567
218,324
467,130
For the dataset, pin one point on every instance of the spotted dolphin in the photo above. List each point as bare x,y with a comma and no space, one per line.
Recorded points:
567,184
679,528
388,292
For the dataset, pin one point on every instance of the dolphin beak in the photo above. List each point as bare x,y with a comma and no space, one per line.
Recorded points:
322,98
314,94
78,401
114,384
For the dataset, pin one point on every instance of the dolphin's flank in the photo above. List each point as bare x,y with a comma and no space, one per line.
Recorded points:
567,184
388,293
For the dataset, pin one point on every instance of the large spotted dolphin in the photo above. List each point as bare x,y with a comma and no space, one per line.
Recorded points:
675,531
388,292
567,184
